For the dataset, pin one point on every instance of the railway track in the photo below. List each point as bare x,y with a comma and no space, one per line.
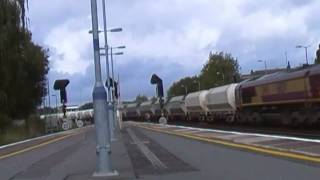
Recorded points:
280,131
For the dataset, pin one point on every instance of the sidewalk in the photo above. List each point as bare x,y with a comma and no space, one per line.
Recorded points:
149,155
119,158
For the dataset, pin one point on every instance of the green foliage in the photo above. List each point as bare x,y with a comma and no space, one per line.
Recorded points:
183,86
141,98
23,64
317,60
220,69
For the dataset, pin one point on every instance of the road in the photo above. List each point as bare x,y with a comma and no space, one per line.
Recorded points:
52,161
218,162
146,154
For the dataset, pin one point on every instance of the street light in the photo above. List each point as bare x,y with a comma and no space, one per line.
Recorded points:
265,65
115,30
100,106
113,81
56,102
109,30
195,81
185,88
112,72
110,105
305,49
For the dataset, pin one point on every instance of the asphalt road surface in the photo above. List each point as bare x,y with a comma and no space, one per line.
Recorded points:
152,155
218,162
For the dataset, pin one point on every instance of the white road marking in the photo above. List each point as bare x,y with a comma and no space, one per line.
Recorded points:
155,161
45,136
230,137
254,139
242,133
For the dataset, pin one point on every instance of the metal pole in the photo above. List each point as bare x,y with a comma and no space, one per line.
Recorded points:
265,66
306,51
112,73
99,95
109,103
286,57
199,85
114,103
49,92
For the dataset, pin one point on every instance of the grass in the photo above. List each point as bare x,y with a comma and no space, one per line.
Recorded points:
14,133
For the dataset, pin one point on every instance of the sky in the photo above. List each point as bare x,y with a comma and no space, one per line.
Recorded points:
171,38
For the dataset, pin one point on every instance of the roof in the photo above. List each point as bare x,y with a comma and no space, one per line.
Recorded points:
282,76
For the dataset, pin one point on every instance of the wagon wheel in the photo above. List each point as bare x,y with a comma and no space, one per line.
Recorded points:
147,116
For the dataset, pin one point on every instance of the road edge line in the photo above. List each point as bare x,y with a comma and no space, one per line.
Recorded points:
34,147
281,153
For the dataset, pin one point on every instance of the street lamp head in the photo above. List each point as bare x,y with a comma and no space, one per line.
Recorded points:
115,30
90,32
118,53
260,61
299,46
121,47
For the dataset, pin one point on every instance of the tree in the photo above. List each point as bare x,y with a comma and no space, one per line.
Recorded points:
141,98
220,69
183,86
317,60
23,64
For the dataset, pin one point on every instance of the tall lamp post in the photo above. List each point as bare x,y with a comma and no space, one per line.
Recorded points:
305,49
113,85
265,65
112,72
99,95
110,107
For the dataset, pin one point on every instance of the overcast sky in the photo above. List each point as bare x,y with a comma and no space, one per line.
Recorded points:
171,38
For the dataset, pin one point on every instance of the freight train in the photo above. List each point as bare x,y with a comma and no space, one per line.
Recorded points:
289,97
74,118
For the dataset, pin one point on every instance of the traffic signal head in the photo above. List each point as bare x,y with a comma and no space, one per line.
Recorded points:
61,85
158,81
155,79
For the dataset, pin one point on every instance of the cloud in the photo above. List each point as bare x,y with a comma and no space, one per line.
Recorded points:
173,37
70,46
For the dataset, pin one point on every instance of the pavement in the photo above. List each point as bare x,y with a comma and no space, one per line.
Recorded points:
149,151
292,147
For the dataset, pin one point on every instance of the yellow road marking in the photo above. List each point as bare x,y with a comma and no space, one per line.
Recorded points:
34,147
243,146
